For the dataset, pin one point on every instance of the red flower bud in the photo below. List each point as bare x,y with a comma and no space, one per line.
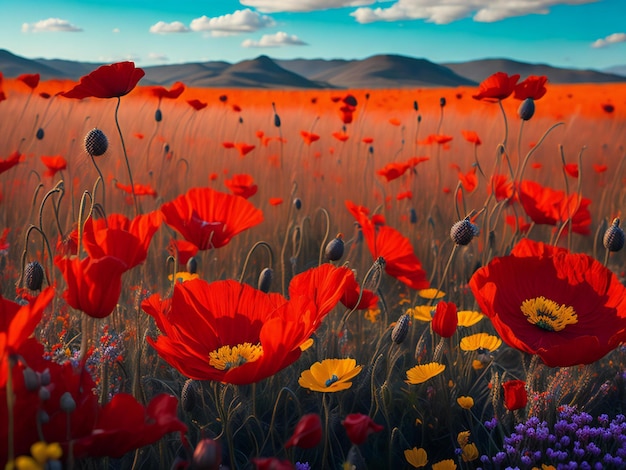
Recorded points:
515,396
308,432
359,426
445,319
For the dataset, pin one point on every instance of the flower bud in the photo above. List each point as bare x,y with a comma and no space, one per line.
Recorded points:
33,275
413,216
297,203
207,455
334,248
44,394
31,380
67,403
526,109
40,134
192,265
158,115
442,101
265,280
400,330
463,232
613,239
96,142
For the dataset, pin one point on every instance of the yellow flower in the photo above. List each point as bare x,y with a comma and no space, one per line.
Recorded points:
480,341
372,314
431,294
445,465
470,452
462,438
330,375
422,312
184,276
41,453
421,373
468,318
465,402
416,457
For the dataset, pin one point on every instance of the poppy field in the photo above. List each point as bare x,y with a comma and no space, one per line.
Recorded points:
311,279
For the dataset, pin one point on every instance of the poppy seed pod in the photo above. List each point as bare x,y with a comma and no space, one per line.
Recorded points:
297,203
400,330
96,142
265,280
158,115
463,232
192,265
188,396
413,216
33,275
442,101
526,109
207,455
40,134
334,248
31,380
276,120
613,239
67,402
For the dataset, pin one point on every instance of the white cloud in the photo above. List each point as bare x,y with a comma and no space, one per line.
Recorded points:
610,39
275,40
158,57
50,25
447,11
241,21
166,28
272,6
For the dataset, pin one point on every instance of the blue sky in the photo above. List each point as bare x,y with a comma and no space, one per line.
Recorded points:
566,33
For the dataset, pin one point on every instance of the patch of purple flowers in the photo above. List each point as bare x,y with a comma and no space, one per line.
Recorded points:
575,441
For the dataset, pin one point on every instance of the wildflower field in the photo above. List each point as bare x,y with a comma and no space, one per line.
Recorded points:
329,279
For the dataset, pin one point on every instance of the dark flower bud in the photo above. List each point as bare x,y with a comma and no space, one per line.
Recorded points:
192,265
415,105
297,203
44,394
442,101
463,231
240,120
31,380
67,403
400,330
188,396
166,148
413,216
265,280
158,115
526,109
350,100
207,455
43,417
44,377
33,275
334,248
614,237
276,120
419,118
96,142
40,134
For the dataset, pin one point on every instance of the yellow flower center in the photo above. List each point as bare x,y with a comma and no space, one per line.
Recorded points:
228,357
547,314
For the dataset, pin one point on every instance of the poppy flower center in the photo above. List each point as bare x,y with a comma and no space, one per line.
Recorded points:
547,314
229,357
332,380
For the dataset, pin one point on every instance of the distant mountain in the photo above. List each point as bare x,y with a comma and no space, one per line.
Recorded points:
478,70
379,71
617,70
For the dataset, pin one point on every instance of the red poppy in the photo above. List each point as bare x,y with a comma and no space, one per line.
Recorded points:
392,171
569,309
496,87
173,93
209,218
519,223
4,245
31,80
230,332
571,169
309,137
353,291
93,285
107,81
272,463
468,180
502,187
435,139
242,185
236,108
515,395
197,104
228,145
276,201
445,319
341,136
549,207
54,164
10,161
395,121
599,168
117,236
414,161
533,87
244,149
182,250
308,432
358,426
404,195
397,251
367,140
17,323
471,137
140,189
